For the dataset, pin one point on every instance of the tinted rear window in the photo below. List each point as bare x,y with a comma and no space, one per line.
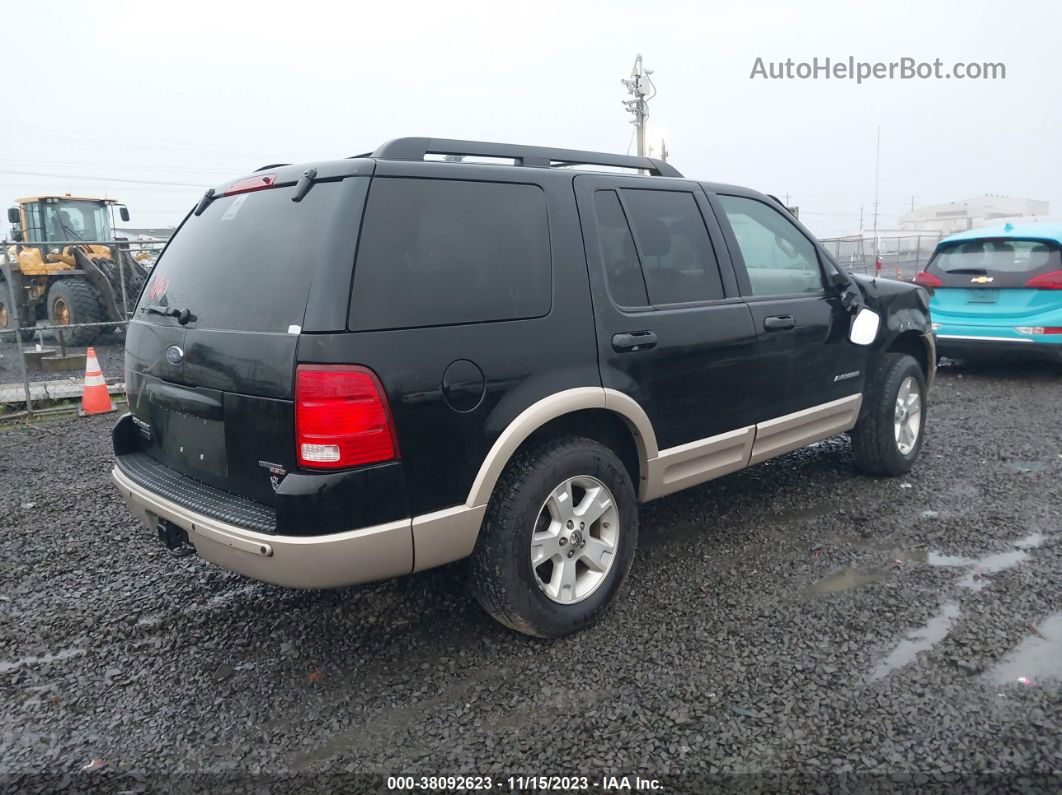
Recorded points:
1028,257
622,268
441,252
677,256
247,262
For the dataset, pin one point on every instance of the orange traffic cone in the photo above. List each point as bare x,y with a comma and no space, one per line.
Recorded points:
95,399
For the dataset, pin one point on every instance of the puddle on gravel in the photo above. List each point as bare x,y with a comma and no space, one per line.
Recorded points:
846,579
63,654
937,628
1037,657
921,639
1026,466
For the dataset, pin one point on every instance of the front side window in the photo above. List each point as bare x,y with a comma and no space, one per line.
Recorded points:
778,258
31,211
441,252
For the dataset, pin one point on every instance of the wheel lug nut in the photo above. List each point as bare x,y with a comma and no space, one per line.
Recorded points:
571,524
563,541
571,553
582,525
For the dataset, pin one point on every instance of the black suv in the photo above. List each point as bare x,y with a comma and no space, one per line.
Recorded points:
356,369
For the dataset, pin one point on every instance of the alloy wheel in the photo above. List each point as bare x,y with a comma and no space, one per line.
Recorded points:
573,546
907,420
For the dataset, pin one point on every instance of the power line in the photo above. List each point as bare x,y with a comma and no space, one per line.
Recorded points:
127,166
97,178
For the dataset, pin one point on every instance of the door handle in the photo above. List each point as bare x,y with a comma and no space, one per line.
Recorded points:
633,341
779,323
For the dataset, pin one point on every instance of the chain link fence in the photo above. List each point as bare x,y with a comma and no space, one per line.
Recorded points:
42,358
901,257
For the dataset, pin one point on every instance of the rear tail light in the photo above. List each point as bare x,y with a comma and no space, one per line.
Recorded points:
341,417
260,182
1038,329
1046,281
927,279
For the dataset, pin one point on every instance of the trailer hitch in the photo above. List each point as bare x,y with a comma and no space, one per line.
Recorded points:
174,538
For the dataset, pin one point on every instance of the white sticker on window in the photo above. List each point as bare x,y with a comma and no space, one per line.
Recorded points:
234,208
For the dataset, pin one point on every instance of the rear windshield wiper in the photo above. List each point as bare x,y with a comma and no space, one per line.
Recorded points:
184,316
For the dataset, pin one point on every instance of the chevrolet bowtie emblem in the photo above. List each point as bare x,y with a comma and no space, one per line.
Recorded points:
981,280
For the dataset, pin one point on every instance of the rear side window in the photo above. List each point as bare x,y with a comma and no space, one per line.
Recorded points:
623,272
677,256
778,258
442,252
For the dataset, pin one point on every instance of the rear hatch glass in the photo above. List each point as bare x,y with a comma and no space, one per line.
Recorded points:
994,263
247,262
213,396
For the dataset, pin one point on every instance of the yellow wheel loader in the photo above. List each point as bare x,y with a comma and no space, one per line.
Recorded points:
66,267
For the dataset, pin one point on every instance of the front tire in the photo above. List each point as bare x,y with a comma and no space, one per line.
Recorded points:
73,300
558,538
889,434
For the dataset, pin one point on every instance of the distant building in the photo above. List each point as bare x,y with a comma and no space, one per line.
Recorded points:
161,232
958,216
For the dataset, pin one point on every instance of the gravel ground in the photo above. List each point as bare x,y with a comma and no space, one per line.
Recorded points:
793,625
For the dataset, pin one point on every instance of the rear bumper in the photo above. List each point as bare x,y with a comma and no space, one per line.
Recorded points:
976,346
356,556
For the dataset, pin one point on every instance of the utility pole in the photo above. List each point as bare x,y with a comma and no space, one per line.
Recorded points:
913,197
639,86
877,174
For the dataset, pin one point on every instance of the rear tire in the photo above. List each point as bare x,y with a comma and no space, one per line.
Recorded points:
73,300
885,441
7,318
523,506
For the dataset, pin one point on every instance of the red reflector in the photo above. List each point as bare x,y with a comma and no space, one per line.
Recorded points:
341,417
1046,281
1053,330
260,182
927,279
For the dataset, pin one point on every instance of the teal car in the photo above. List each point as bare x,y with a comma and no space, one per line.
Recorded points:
997,291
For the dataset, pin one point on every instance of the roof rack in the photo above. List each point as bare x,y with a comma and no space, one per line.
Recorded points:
529,156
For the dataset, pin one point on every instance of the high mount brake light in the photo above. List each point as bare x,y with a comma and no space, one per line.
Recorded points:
928,279
260,182
342,418
1046,281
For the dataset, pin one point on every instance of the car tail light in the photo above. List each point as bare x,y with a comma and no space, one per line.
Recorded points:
928,279
1046,281
1038,329
341,417
260,182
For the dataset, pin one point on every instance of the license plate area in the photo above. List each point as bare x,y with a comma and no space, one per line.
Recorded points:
985,296
197,443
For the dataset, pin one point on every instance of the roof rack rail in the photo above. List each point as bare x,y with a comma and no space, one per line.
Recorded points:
271,165
530,156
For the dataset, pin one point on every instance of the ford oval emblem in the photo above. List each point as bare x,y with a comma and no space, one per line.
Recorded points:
174,355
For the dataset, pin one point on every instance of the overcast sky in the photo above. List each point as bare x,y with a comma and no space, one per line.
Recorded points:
195,93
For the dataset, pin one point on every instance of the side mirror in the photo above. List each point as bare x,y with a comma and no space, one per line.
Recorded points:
864,328
123,213
13,216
